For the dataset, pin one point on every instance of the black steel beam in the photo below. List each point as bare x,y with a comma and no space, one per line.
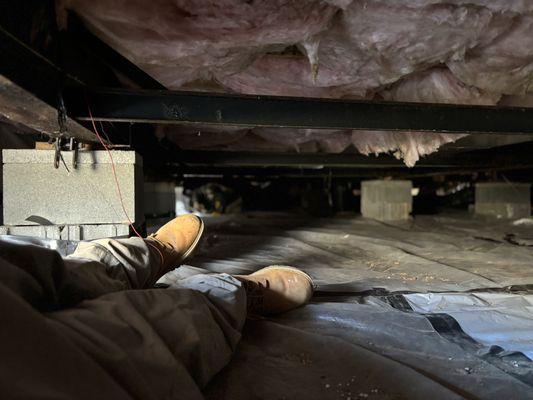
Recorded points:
285,112
504,157
297,165
355,172
299,160
173,170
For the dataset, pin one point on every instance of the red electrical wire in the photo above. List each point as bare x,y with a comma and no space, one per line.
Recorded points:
119,192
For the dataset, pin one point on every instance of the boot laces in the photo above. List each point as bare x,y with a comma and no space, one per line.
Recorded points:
255,296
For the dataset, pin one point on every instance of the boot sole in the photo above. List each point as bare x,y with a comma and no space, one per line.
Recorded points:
191,249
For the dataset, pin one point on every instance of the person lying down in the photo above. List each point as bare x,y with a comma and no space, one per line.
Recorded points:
92,325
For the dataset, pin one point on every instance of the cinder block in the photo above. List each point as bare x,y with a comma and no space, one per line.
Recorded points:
68,232
386,200
503,199
159,199
45,232
35,191
90,232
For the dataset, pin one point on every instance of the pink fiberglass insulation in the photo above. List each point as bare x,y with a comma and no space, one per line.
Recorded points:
437,85
444,51
181,41
504,65
406,146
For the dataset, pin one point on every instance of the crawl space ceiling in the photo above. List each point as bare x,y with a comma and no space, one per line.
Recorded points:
440,51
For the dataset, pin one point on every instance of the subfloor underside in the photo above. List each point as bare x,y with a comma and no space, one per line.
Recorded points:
438,307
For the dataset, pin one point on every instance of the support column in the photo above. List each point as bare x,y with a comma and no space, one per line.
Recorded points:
159,199
503,199
80,203
386,200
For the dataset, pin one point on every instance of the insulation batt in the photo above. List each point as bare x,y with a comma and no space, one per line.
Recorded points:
444,51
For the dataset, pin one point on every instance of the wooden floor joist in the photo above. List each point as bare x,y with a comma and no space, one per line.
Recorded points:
21,107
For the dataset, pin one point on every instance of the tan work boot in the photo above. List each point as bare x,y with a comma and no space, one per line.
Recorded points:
276,289
176,240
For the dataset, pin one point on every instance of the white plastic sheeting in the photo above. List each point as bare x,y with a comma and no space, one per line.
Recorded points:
444,51
501,319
